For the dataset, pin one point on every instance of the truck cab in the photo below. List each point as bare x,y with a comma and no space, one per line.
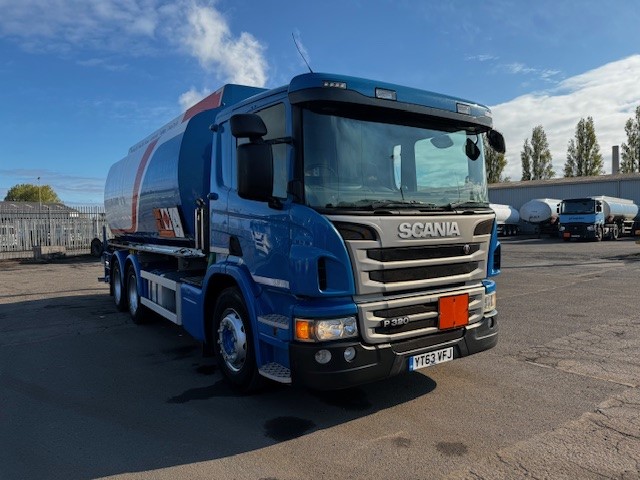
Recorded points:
346,236
581,218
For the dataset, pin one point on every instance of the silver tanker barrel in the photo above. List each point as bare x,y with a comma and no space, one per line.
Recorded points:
507,218
617,208
152,193
539,210
542,214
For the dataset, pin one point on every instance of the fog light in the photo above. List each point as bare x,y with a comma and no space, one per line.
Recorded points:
349,354
323,357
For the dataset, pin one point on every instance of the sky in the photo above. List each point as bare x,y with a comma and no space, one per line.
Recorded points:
83,80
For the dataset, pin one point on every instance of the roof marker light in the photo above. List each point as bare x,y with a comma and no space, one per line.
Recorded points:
329,84
385,94
463,109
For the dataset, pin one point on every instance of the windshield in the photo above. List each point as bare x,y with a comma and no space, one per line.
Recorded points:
355,163
575,207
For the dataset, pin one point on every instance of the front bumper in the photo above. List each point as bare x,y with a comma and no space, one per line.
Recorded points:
376,362
578,231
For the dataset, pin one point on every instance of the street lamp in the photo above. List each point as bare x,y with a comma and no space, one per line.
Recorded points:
39,235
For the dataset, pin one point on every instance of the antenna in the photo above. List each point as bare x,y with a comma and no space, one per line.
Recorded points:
300,52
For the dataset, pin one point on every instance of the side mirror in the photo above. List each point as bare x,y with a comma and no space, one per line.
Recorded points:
471,149
496,141
255,158
255,171
247,125
598,207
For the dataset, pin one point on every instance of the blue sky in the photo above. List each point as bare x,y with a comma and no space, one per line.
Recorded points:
83,80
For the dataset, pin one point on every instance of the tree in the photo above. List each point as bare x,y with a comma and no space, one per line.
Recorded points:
536,157
631,150
583,152
27,192
525,156
495,162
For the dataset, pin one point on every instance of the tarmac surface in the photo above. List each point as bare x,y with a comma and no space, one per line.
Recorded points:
84,393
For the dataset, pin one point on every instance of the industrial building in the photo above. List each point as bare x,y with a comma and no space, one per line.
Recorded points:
517,194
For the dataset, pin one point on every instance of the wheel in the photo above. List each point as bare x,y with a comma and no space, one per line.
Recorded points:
117,287
96,247
136,309
615,233
233,342
599,234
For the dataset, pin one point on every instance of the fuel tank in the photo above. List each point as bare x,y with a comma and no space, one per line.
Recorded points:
505,214
618,208
539,210
151,194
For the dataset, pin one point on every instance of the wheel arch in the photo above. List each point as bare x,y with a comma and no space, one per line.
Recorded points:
221,279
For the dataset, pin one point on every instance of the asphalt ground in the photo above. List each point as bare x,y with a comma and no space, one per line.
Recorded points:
84,393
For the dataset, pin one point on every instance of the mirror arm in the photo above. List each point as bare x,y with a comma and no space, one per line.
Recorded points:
280,140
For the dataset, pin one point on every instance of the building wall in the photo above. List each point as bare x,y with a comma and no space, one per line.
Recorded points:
517,194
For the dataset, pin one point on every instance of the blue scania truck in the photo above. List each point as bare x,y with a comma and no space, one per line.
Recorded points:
328,233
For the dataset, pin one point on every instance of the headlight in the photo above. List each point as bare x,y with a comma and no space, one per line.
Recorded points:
325,330
591,228
490,302
561,228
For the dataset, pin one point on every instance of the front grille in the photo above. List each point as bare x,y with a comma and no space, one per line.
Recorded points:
399,278
421,253
404,311
414,344
412,316
421,273
420,324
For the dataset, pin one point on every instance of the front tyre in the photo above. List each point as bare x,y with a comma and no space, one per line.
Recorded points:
599,233
233,341
615,233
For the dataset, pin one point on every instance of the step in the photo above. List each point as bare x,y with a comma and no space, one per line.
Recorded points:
276,372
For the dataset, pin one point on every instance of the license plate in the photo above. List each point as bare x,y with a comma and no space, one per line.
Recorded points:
430,358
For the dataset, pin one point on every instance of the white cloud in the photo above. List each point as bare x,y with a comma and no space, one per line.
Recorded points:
65,26
481,57
95,32
135,28
233,59
609,94
193,96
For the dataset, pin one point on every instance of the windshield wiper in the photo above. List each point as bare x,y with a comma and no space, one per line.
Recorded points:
468,204
377,204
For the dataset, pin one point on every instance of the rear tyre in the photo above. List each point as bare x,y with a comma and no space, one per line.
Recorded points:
136,309
96,247
117,287
233,342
